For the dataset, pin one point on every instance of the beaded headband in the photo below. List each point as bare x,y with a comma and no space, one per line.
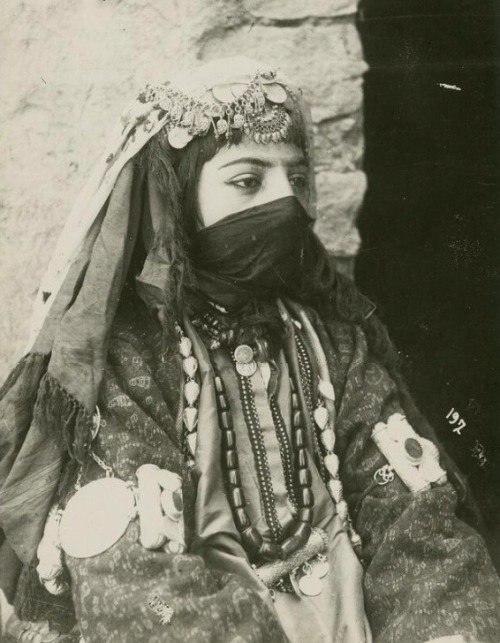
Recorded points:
257,108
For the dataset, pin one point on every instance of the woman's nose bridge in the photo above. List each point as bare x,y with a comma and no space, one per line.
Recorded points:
279,183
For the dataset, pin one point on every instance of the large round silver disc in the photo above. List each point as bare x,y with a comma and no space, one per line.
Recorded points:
310,585
275,93
96,517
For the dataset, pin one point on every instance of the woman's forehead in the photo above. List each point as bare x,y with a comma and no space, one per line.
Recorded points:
270,155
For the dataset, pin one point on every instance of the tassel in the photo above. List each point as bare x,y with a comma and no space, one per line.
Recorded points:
59,414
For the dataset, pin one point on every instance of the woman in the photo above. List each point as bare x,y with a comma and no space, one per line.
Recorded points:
208,439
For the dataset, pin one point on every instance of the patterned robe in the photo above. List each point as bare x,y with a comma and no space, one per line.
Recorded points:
427,574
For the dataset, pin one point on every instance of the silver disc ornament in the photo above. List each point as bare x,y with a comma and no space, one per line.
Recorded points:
245,363
320,567
246,369
310,585
243,354
96,517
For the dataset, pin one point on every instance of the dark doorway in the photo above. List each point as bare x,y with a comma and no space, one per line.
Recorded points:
430,223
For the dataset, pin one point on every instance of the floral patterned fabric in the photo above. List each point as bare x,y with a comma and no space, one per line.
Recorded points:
112,592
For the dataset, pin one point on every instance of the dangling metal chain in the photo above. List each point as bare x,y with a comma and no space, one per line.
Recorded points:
97,422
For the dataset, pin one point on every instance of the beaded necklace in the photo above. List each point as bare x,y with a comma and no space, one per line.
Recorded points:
252,539
323,414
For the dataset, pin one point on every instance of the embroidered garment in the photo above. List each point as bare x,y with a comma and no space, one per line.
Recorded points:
428,575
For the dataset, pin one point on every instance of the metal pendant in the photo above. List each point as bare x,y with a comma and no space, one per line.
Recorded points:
248,369
243,354
320,567
179,137
310,585
326,389
321,417
96,517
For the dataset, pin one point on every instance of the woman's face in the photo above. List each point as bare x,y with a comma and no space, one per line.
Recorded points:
250,174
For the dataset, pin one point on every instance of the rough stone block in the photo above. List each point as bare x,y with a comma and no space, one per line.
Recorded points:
339,198
299,9
326,61
339,144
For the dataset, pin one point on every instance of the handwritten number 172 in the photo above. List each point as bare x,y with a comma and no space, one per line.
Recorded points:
453,417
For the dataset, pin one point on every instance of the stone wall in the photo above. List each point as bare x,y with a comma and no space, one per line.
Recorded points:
68,68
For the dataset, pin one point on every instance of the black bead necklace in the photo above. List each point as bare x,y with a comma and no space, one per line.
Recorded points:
257,548
306,381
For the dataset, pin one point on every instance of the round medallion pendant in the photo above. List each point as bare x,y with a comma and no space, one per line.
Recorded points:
96,517
247,369
310,585
179,137
243,354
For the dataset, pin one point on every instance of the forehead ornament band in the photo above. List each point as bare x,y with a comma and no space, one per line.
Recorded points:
256,108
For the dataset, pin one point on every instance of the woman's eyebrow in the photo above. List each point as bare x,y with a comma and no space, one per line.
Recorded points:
297,162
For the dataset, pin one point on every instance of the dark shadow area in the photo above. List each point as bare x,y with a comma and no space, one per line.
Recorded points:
430,222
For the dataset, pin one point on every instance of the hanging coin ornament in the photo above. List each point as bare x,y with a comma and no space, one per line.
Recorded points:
238,121
202,123
179,137
96,517
320,566
310,585
257,105
223,93
275,93
245,363
221,126
246,369
243,354
176,112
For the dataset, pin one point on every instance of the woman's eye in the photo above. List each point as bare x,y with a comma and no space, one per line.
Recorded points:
298,181
246,182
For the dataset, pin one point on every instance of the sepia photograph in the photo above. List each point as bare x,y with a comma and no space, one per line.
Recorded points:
250,321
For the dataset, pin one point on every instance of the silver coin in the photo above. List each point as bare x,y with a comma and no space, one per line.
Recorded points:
243,354
275,93
310,585
320,568
179,137
247,370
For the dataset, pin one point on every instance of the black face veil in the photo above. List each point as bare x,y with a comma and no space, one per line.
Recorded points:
262,252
